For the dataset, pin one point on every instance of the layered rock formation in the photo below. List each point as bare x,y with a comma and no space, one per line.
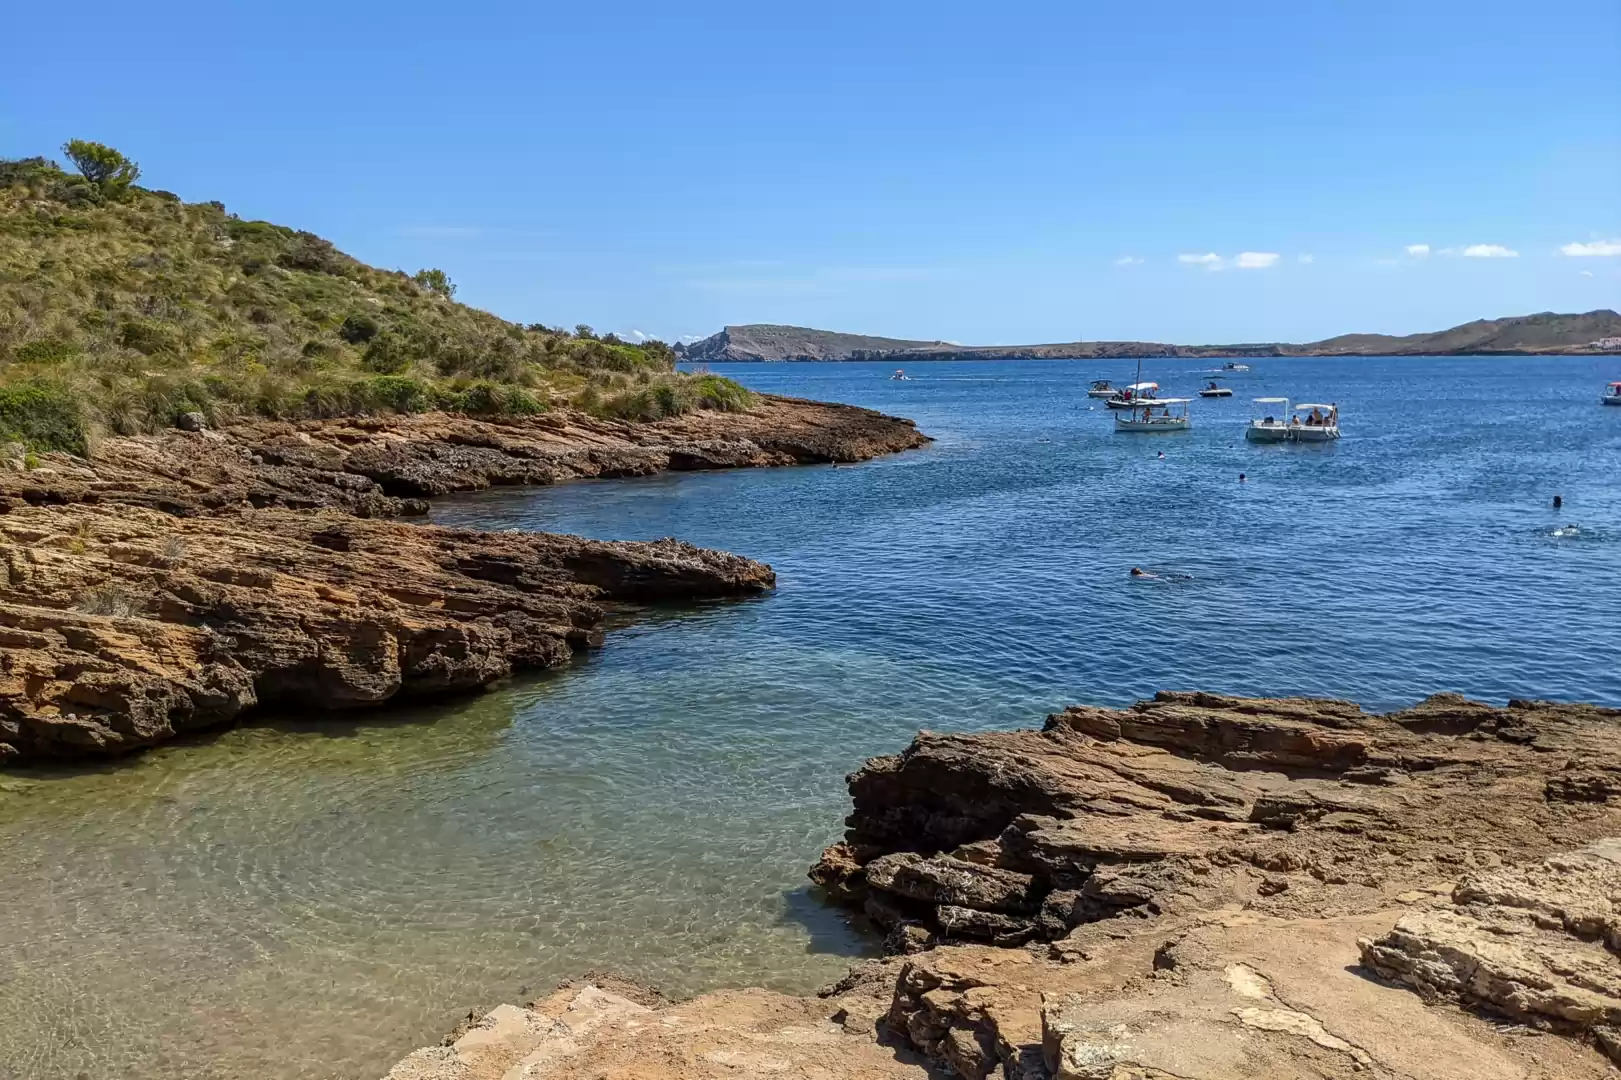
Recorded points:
1198,887
1221,883
384,466
174,582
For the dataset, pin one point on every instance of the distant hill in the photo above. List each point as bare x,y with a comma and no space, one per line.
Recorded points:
1546,332
764,341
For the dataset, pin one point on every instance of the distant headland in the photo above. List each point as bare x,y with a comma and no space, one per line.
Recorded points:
1544,333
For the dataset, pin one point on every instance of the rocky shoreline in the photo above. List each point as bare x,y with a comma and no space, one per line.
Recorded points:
1197,887
175,582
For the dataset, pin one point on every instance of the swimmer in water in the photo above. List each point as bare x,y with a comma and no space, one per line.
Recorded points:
1135,572
1242,478
1162,455
1558,501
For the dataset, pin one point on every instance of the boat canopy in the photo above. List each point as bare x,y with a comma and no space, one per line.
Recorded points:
1143,386
1166,401
1308,405
1615,386
1272,401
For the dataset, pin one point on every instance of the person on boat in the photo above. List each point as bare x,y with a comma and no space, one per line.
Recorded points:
1316,418
1295,420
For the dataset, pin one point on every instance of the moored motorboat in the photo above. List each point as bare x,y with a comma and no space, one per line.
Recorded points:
1230,366
1101,388
1320,424
1216,390
1272,426
1129,396
1161,415
1612,394
900,376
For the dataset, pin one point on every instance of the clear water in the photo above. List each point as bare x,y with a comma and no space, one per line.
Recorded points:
315,897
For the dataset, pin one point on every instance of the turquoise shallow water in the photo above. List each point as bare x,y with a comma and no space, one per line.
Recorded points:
314,897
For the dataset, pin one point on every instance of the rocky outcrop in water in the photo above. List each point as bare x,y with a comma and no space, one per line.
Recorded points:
175,582
1203,887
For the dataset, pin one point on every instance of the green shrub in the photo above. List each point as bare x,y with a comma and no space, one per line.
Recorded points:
310,252
395,393
103,166
721,394
359,328
147,336
43,416
45,351
485,398
388,354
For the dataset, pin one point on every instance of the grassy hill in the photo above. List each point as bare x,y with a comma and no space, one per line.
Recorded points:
1542,333
121,309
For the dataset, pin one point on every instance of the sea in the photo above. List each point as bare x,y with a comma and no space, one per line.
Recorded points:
314,896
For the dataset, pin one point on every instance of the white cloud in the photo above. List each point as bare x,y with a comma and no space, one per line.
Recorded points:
1587,273
1255,260
1305,260
1596,247
634,335
1489,251
1210,260
1418,251
1128,260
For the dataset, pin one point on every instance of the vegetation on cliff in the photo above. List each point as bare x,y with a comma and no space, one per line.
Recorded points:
123,308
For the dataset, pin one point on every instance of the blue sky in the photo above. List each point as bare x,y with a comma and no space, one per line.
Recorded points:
987,172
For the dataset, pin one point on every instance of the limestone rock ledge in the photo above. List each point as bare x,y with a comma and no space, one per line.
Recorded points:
1202,888
614,1030
172,582
1209,887
122,626
384,466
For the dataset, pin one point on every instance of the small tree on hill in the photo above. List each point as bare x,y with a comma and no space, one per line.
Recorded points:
103,166
435,281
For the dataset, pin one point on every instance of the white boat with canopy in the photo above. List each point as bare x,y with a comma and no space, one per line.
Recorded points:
1272,425
1315,423
1101,388
1162,414
1129,396
1612,394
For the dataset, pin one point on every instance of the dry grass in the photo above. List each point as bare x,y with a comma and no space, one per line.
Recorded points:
118,315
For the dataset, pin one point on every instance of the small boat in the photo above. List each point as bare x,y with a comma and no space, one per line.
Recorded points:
1101,388
1612,394
1270,427
1128,396
1321,424
1164,414
900,376
1215,390
1230,366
